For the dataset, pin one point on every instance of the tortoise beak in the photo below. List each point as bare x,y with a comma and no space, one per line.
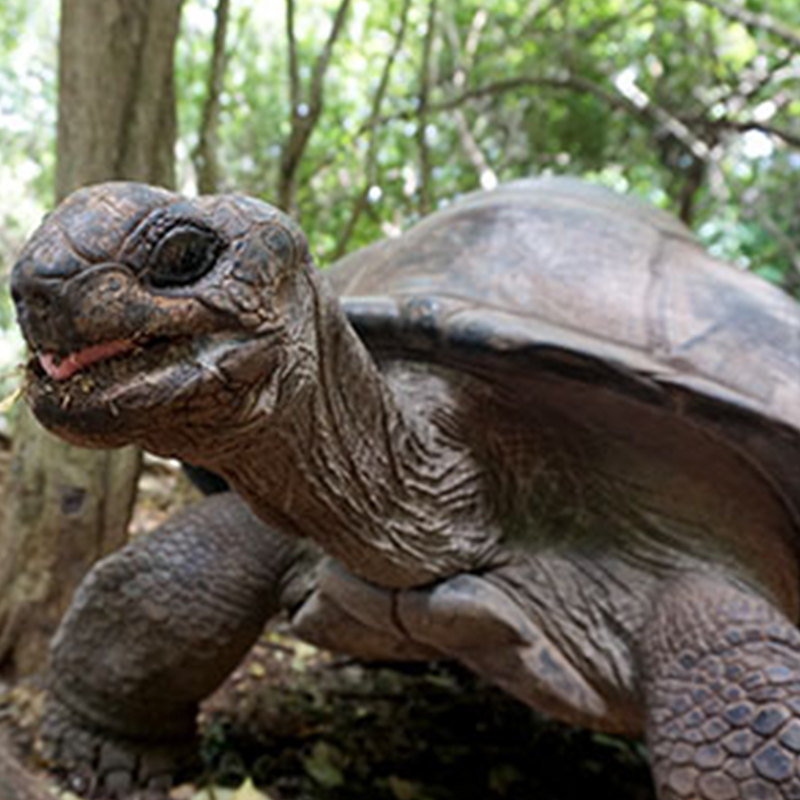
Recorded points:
62,316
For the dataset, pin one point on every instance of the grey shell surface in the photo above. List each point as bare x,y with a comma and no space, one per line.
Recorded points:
559,279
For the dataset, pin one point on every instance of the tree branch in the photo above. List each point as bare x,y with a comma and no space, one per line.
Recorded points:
294,67
534,13
695,177
422,112
649,112
304,118
205,154
486,174
566,81
751,81
362,199
755,211
760,21
321,67
792,139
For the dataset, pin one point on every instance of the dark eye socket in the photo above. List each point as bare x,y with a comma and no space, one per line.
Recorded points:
183,256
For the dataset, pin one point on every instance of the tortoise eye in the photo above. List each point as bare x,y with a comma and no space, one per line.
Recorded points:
183,256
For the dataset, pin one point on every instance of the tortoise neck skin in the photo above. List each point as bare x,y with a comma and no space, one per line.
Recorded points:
201,329
372,466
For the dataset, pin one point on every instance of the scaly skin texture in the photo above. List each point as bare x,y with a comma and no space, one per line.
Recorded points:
722,688
569,539
153,630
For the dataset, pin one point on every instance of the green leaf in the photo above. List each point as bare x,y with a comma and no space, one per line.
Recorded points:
247,791
502,777
403,789
321,765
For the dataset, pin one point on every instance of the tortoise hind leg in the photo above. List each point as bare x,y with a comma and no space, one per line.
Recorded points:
152,630
721,671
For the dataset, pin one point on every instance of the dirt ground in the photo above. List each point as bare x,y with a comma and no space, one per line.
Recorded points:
297,723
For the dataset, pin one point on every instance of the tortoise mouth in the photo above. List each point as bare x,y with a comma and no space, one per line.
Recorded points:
153,392
105,367
111,395
61,368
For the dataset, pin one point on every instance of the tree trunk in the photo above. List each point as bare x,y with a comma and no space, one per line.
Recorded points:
67,507
205,154
117,115
304,114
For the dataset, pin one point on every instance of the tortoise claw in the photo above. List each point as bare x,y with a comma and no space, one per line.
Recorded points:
101,765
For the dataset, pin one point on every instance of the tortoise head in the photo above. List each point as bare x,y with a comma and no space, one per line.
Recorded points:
146,313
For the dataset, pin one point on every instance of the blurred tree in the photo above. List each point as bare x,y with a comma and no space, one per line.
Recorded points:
362,199
205,153
305,108
66,507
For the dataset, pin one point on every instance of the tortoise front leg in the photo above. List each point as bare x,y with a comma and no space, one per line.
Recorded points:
152,630
721,670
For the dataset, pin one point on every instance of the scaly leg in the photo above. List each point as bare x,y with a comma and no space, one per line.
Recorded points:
721,671
155,628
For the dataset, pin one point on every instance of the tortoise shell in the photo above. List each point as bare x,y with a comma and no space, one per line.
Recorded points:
559,280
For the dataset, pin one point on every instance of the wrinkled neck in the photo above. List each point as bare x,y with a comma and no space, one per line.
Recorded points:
372,467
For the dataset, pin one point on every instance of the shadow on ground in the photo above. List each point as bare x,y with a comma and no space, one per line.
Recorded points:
303,724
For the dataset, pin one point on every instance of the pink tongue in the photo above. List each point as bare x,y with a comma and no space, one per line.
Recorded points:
59,369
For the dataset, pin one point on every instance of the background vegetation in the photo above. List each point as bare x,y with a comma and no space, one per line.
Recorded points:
371,114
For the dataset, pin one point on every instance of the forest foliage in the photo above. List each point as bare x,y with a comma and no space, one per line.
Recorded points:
360,117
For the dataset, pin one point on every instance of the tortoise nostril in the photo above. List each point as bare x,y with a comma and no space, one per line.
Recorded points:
36,299
38,292
37,303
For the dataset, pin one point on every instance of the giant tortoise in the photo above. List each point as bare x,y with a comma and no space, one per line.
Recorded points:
543,433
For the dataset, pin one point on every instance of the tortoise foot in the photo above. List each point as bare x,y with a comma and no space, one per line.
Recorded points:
98,764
